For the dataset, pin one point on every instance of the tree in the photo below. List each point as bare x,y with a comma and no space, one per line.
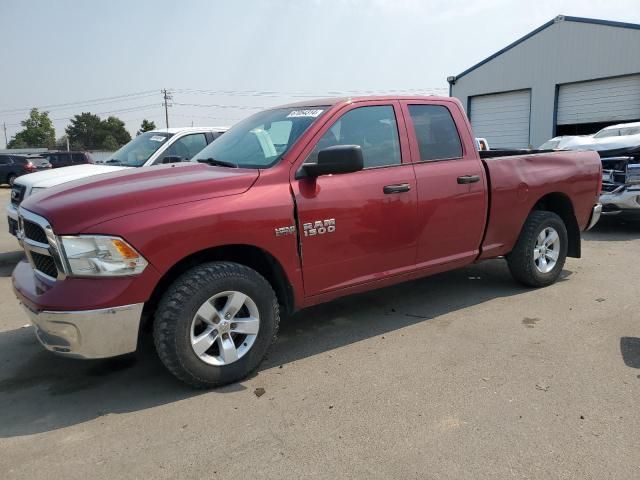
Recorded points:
146,126
110,143
38,131
114,127
87,131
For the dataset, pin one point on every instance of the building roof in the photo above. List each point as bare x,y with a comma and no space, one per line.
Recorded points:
559,18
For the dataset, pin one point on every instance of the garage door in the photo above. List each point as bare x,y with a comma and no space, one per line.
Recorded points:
606,100
502,118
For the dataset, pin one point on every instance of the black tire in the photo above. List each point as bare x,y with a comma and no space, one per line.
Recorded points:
11,178
178,306
521,259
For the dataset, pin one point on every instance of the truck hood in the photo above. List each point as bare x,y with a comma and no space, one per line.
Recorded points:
74,207
56,176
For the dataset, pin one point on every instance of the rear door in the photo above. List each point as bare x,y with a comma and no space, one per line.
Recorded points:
358,227
452,200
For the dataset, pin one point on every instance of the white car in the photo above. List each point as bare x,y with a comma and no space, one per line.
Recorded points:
559,143
624,135
166,145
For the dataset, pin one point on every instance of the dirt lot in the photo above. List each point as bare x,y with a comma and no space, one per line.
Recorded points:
461,376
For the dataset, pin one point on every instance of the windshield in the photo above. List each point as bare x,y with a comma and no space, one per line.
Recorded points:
137,151
617,132
550,144
262,139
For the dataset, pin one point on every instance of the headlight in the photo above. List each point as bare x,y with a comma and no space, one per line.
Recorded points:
101,256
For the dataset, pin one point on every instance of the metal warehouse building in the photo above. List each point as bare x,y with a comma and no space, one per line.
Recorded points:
570,76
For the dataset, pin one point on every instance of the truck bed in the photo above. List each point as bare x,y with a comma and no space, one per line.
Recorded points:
517,182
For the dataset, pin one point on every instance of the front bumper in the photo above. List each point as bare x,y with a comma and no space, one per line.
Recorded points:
89,334
12,219
614,203
595,216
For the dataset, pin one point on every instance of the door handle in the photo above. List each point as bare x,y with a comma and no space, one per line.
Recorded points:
468,179
397,188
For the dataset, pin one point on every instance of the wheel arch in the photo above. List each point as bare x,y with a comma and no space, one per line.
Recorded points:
560,204
249,255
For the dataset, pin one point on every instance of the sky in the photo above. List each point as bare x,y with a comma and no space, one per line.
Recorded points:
223,60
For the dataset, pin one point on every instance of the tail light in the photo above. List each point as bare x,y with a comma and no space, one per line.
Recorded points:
30,167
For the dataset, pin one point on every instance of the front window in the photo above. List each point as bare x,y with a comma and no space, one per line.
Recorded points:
139,150
185,147
261,140
609,132
550,144
373,128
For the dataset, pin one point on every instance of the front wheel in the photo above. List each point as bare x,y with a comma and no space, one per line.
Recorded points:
541,250
215,324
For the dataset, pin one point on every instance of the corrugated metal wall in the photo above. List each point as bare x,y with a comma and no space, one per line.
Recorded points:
613,99
565,52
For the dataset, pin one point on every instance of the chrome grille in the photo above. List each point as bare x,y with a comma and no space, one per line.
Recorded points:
44,264
34,232
40,245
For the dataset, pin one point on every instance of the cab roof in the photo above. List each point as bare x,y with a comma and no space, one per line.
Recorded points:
331,101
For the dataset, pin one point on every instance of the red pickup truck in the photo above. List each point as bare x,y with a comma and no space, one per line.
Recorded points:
294,206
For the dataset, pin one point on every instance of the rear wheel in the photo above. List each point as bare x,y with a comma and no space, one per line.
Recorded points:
541,250
215,324
11,178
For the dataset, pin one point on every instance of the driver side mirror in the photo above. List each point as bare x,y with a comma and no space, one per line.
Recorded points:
172,159
334,160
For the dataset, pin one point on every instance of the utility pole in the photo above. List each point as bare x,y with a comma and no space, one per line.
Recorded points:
167,97
6,143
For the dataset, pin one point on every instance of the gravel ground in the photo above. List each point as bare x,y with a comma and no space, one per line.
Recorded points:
463,375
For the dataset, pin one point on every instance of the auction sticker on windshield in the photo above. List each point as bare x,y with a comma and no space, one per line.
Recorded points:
158,138
305,113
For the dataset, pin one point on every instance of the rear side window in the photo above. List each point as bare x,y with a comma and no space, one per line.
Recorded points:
78,158
373,128
436,132
5,160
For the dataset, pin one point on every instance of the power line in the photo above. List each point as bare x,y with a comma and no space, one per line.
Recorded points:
94,101
215,105
274,94
123,110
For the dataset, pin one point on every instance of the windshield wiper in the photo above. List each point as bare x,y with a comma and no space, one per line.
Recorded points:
219,163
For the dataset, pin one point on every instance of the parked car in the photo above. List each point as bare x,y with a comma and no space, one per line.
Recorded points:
294,206
560,143
150,148
14,166
66,159
623,135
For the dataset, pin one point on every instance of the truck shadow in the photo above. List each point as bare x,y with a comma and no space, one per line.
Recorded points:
8,261
613,229
630,349
41,392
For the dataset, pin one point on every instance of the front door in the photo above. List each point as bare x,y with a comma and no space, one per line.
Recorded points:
357,227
